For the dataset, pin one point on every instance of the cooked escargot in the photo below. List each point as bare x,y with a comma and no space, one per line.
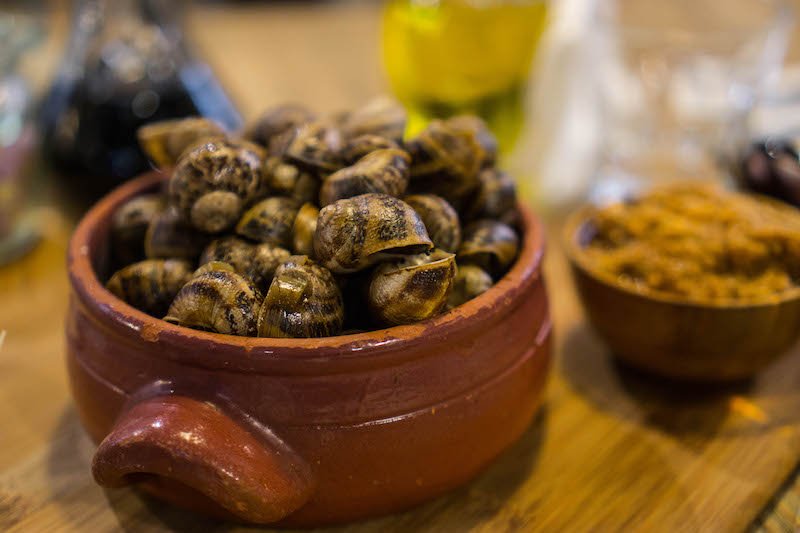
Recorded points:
150,285
170,236
470,281
382,171
303,301
357,147
314,146
382,116
357,232
284,179
485,138
440,219
305,224
257,262
496,197
214,181
412,289
165,141
129,225
217,300
277,120
489,244
270,221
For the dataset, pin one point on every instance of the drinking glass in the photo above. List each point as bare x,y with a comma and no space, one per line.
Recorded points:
677,81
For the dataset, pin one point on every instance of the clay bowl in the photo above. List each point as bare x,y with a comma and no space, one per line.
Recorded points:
301,432
673,338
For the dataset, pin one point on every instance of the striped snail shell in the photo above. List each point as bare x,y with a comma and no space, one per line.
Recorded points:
217,300
496,197
303,301
490,244
150,285
169,236
381,116
213,181
257,262
440,219
129,226
270,221
470,281
357,147
277,120
412,289
483,135
285,179
382,171
305,225
164,141
314,146
357,232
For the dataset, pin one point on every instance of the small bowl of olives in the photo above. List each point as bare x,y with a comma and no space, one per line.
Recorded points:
311,323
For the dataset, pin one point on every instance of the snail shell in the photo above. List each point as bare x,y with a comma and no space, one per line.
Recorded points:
305,225
357,147
440,219
277,120
413,289
381,116
357,232
270,221
129,226
217,300
213,181
170,236
496,197
164,141
257,262
303,301
382,171
489,244
212,266
285,179
470,281
150,285
314,146
477,127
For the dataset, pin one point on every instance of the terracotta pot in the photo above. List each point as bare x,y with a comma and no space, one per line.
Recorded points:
302,431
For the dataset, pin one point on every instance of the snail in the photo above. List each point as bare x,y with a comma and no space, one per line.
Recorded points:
412,289
314,146
213,181
489,244
357,147
150,285
470,281
129,226
305,224
381,116
169,236
212,266
496,197
217,300
277,120
270,221
357,232
285,179
303,301
440,219
382,171
164,141
477,127
257,262
445,162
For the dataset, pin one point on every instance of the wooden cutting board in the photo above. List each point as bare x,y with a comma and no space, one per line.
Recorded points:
612,450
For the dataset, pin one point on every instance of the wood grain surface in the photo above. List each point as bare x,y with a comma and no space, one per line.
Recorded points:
612,450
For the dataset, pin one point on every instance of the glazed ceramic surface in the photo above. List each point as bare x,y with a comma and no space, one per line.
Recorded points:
302,431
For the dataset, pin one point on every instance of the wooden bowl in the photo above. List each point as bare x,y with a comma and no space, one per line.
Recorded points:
665,335
302,432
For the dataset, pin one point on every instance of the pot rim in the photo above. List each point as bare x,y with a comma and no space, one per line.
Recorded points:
275,355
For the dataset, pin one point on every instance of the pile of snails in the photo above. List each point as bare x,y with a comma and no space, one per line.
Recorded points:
310,226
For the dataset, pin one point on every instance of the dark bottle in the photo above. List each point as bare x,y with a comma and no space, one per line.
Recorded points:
126,64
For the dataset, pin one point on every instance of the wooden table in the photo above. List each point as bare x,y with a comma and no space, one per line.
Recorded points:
611,449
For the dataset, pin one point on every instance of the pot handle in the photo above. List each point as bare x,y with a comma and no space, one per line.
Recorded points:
252,474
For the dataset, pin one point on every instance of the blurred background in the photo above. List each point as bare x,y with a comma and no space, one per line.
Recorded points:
588,98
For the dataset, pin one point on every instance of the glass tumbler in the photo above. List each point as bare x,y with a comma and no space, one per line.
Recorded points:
677,82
